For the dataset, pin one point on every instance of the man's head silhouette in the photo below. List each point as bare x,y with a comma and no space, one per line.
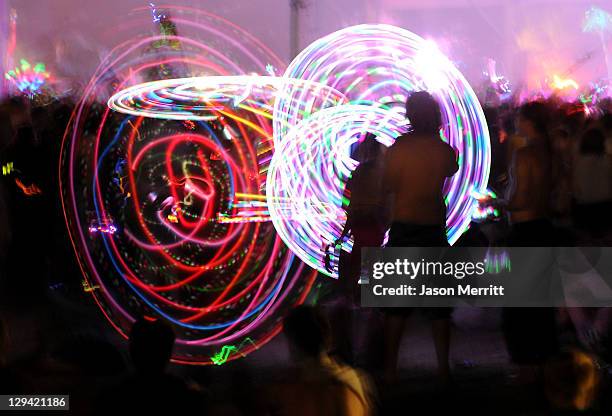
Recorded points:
423,111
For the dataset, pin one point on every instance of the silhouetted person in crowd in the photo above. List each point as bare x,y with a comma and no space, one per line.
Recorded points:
367,210
416,168
531,332
592,183
367,215
320,385
562,166
531,176
149,387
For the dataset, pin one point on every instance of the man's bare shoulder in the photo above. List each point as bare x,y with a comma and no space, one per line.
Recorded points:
405,143
408,145
435,144
395,148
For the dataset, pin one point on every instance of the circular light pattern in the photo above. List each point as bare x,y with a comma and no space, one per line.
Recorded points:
202,98
168,217
376,65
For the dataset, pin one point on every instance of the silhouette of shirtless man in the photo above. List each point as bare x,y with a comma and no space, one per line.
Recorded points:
416,168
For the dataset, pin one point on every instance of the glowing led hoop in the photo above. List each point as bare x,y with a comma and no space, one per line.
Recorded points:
378,65
201,98
167,217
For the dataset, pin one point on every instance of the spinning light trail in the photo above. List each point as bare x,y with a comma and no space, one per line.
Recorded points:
206,98
168,186
371,67
377,66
